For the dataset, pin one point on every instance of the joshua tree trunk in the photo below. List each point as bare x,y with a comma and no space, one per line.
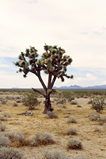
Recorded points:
47,105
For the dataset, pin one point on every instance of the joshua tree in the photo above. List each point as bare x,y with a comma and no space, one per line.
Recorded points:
53,62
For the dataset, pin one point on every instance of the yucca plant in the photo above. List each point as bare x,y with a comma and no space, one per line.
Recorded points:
53,62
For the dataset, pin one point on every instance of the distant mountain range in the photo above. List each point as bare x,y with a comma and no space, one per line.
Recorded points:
73,87
79,87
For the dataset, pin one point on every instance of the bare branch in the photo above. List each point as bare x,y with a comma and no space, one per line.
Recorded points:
35,90
53,81
42,82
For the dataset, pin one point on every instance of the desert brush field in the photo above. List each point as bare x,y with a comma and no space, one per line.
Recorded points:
72,131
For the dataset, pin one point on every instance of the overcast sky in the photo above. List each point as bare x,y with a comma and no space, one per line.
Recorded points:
78,26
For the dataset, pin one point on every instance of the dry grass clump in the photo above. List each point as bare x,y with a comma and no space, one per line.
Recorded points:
72,131
89,102
94,116
73,102
10,135
97,130
74,144
21,138
3,101
10,153
2,118
15,104
4,141
42,139
51,115
103,119
72,120
80,158
62,106
54,155
2,127
7,115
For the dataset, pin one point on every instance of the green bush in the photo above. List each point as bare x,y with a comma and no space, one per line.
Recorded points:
98,104
69,95
30,99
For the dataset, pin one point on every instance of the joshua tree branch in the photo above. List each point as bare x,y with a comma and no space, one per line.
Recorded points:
53,81
35,90
42,82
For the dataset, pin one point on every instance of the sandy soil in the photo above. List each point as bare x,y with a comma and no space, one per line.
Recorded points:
94,142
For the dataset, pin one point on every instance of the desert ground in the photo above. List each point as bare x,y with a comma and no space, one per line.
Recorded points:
91,133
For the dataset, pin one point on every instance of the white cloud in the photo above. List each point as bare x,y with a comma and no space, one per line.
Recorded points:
103,83
90,77
3,65
88,80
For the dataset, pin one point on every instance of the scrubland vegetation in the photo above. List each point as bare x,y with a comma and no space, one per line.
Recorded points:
75,128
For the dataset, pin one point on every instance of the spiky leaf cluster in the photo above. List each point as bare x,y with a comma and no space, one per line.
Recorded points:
27,61
53,61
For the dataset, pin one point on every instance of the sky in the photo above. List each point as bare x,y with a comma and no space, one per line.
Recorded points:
78,26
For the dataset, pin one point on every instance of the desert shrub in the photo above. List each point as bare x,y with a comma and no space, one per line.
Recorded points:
10,135
72,120
15,104
4,141
30,100
79,106
51,115
72,131
10,153
103,119
2,127
42,139
35,140
62,106
97,130
2,118
3,101
73,102
80,158
69,95
74,144
47,138
98,104
19,101
61,100
20,137
54,155
89,102
7,115
94,116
